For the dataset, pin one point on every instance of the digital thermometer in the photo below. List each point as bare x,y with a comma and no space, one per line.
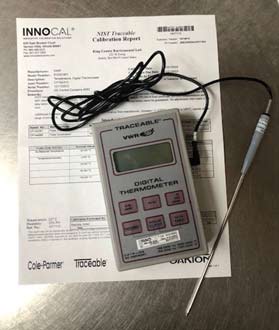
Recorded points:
148,188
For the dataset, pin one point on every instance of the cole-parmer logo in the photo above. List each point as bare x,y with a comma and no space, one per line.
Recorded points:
45,31
44,265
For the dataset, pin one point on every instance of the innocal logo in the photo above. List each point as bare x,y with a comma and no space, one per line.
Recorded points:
144,133
45,31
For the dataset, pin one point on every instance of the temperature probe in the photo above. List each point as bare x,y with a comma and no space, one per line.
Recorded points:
150,199
254,144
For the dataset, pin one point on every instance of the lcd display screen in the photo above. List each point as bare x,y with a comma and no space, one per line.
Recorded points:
142,157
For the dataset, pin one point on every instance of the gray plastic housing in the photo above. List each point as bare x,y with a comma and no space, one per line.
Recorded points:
151,204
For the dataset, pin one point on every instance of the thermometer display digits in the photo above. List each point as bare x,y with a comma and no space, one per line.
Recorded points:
143,157
149,193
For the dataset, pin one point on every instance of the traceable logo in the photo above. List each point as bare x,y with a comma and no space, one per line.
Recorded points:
144,133
45,31
90,263
138,124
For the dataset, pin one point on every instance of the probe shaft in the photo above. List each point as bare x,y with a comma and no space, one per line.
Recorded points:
254,144
200,280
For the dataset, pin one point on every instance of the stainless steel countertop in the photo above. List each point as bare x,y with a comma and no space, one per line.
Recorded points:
248,45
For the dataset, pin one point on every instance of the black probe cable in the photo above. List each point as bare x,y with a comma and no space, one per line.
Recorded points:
78,110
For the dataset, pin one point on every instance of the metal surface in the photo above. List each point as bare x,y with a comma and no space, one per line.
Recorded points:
248,45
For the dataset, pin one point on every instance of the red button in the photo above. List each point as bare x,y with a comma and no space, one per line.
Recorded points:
175,197
151,202
156,222
132,227
128,207
179,218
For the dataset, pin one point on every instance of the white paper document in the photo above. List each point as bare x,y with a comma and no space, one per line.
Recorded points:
63,231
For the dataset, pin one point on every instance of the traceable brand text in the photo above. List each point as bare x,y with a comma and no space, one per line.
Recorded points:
90,263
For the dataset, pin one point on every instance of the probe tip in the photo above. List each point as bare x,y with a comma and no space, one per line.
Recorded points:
187,311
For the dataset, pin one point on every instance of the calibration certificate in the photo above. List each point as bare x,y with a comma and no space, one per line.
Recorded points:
63,230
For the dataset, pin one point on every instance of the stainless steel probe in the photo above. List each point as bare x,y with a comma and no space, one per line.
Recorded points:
255,142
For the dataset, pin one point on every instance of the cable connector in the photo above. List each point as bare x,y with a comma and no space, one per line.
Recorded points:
195,160
255,142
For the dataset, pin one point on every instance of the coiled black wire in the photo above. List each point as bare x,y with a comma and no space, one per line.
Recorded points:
80,109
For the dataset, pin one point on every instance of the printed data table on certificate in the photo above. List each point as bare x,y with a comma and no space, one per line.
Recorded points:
62,164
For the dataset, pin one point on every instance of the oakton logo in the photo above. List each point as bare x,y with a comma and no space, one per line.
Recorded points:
191,260
45,31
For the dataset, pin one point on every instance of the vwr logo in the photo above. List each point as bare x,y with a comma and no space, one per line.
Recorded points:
45,31
144,133
90,263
